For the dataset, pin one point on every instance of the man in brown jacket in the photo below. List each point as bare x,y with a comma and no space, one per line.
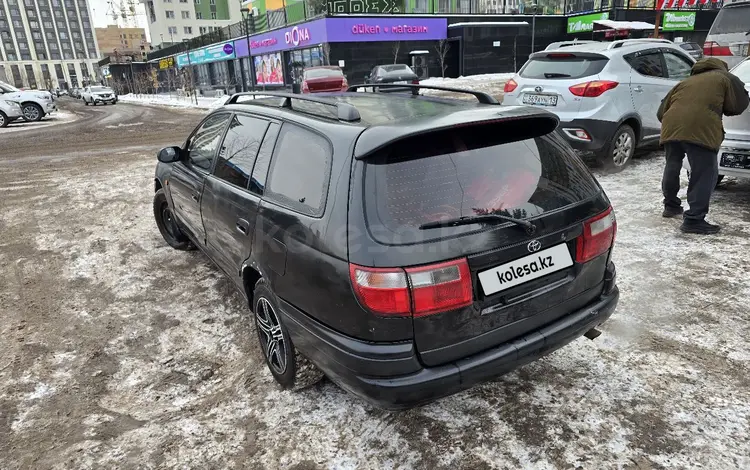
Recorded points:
691,117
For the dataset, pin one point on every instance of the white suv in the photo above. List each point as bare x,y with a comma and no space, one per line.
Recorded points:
606,94
35,104
9,111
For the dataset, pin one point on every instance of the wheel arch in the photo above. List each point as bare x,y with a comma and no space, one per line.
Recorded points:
250,276
634,121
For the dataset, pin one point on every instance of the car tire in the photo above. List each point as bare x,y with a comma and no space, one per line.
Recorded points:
289,367
4,120
167,224
32,112
620,150
85,103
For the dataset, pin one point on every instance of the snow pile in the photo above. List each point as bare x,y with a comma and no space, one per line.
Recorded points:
469,82
174,100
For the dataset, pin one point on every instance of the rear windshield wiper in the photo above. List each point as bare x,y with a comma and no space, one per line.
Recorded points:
556,75
478,219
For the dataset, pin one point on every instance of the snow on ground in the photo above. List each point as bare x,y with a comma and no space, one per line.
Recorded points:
58,117
174,100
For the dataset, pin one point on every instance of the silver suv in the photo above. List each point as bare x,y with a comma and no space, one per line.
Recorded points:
606,94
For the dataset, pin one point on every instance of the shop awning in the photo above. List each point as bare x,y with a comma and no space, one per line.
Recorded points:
600,25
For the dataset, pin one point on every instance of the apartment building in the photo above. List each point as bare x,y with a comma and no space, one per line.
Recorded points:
47,43
122,44
172,21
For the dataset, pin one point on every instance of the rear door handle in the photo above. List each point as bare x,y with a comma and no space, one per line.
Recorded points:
638,89
242,226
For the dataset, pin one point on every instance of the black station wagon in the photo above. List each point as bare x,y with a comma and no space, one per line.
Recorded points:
405,246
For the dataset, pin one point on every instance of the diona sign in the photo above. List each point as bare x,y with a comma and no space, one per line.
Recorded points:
297,36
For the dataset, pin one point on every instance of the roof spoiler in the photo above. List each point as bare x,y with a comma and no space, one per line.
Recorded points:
536,122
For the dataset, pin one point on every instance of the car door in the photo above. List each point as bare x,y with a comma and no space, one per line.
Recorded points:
230,198
648,86
188,174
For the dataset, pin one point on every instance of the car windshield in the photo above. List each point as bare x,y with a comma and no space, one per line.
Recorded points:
689,46
467,172
323,73
743,71
732,19
99,88
8,88
396,68
562,66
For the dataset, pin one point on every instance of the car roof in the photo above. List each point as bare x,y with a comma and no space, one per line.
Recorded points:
386,117
324,67
607,49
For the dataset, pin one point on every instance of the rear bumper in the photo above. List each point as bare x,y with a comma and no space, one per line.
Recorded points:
600,132
390,375
741,147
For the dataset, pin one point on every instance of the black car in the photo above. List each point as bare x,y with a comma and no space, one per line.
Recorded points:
692,48
406,246
392,74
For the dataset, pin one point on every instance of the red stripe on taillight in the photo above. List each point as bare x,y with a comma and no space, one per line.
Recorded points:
440,287
383,291
421,291
598,236
592,89
711,48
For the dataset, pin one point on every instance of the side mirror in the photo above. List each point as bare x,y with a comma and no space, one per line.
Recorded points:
169,154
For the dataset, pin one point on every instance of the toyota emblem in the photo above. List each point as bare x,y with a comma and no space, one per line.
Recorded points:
538,89
534,246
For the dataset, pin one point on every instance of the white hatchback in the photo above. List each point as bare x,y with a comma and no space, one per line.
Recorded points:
606,94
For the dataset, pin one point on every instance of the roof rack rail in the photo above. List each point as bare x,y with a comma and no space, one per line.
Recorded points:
622,42
344,111
482,97
561,44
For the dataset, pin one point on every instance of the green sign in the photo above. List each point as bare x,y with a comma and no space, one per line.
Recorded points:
678,21
585,23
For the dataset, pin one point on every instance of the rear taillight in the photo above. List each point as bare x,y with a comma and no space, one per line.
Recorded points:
415,81
510,85
712,48
592,89
383,291
305,87
344,84
421,291
598,236
440,287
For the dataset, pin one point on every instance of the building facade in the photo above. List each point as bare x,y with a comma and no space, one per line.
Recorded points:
119,43
173,21
47,43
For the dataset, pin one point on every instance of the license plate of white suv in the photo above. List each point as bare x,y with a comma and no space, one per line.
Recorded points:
540,100
525,269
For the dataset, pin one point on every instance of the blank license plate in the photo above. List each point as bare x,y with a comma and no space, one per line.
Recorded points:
401,82
735,160
540,100
525,269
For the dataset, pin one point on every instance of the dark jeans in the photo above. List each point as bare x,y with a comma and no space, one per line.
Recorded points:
704,170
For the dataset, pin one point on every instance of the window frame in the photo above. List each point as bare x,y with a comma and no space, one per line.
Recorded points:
260,145
656,51
186,150
283,201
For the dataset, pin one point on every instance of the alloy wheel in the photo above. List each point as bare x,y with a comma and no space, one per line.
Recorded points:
271,336
2,120
623,149
31,113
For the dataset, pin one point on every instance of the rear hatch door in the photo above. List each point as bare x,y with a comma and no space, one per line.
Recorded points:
738,127
728,39
519,281
545,81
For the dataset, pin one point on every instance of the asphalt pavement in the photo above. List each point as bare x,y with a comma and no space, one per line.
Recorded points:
118,352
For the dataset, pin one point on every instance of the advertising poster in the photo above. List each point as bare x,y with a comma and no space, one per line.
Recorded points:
268,69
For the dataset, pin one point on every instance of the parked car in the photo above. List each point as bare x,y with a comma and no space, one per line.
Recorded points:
692,48
728,37
406,246
323,79
34,104
61,92
9,111
734,156
605,94
75,92
396,74
98,94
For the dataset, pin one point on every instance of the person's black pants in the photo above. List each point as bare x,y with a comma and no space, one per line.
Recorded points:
704,171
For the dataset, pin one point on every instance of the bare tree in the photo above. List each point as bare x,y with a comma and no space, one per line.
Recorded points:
327,53
442,49
396,48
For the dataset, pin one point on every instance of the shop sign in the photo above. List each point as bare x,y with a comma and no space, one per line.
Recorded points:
166,63
678,21
386,29
222,51
299,36
585,23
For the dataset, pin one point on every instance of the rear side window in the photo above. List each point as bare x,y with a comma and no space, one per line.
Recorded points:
732,20
466,172
566,66
648,64
300,169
